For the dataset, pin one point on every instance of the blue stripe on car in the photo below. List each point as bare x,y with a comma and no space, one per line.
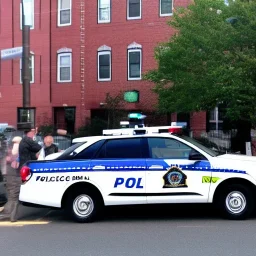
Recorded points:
121,165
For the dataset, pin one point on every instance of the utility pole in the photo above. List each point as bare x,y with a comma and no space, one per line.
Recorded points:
25,60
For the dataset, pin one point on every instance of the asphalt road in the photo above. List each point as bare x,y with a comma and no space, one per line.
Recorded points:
163,230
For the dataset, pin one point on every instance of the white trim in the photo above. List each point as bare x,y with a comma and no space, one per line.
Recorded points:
104,48
166,14
32,68
109,13
33,15
58,67
59,11
133,18
134,45
64,49
104,53
128,64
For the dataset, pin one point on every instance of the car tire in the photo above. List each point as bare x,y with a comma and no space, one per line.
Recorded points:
236,202
83,206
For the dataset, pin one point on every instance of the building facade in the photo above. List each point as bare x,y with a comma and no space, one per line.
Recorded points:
80,51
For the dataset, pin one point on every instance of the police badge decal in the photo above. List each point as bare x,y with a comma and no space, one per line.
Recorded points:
174,178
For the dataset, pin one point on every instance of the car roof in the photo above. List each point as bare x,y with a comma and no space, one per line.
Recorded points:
96,138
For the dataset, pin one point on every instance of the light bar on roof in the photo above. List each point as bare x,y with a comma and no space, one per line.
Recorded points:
175,130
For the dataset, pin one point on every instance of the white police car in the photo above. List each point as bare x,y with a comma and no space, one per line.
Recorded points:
146,168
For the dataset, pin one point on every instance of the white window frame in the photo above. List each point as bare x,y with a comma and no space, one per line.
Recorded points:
62,54
33,15
59,14
104,21
160,10
134,50
133,18
108,52
215,119
32,68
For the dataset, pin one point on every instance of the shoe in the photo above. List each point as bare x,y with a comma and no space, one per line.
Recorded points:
1,208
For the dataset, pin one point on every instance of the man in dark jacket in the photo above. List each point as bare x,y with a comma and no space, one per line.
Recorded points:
28,148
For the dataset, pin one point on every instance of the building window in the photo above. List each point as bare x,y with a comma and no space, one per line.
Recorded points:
216,119
134,61
64,12
166,7
64,67
26,116
31,68
133,9
103,11
28,12
104,63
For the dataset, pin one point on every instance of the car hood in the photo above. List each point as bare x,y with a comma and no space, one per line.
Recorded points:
237,157
236,162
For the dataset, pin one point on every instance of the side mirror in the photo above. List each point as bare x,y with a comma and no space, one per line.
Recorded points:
194,155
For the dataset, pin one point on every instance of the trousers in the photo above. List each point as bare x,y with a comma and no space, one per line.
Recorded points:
13,183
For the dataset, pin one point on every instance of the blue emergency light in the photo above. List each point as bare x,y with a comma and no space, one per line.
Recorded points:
136,116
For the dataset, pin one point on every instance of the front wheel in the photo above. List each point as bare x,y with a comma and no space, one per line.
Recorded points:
83,206
236,202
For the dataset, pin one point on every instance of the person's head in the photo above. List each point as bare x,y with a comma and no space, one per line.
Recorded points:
48,141
30,134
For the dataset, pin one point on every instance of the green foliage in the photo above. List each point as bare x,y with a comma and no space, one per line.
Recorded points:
211,59
115,107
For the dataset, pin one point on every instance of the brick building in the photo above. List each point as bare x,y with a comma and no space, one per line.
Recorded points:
80,51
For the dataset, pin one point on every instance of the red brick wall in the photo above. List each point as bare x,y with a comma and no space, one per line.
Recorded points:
11,36
47,38
198,123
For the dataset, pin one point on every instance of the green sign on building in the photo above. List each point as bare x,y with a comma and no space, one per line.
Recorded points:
131,96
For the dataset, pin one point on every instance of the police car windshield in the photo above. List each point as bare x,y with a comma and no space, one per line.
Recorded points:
69,150
199,144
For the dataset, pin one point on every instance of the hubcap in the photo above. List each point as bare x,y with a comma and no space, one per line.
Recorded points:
83,205
235,202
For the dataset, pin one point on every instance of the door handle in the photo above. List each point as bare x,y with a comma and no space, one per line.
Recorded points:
98,167
156,167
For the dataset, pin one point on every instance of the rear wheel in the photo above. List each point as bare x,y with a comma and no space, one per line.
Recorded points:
236,202
83,206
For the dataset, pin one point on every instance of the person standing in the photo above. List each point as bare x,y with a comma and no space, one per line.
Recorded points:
49,146
28,150
12,181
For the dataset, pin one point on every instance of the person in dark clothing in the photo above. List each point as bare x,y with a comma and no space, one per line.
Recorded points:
27,151
28,148
50,148
12,181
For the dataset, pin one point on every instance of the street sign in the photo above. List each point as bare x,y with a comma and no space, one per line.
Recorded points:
11,53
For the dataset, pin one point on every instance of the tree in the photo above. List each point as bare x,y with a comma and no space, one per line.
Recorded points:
211,59
115,106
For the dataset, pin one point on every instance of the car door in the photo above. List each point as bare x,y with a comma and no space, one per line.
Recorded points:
172,176
119,169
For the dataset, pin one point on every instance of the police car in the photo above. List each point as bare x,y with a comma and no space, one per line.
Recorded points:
140,166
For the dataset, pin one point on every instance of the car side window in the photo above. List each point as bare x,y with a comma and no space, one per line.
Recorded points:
169,148
88,153
121,148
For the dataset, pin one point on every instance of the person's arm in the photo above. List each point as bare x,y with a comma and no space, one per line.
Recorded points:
56,149
34,146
